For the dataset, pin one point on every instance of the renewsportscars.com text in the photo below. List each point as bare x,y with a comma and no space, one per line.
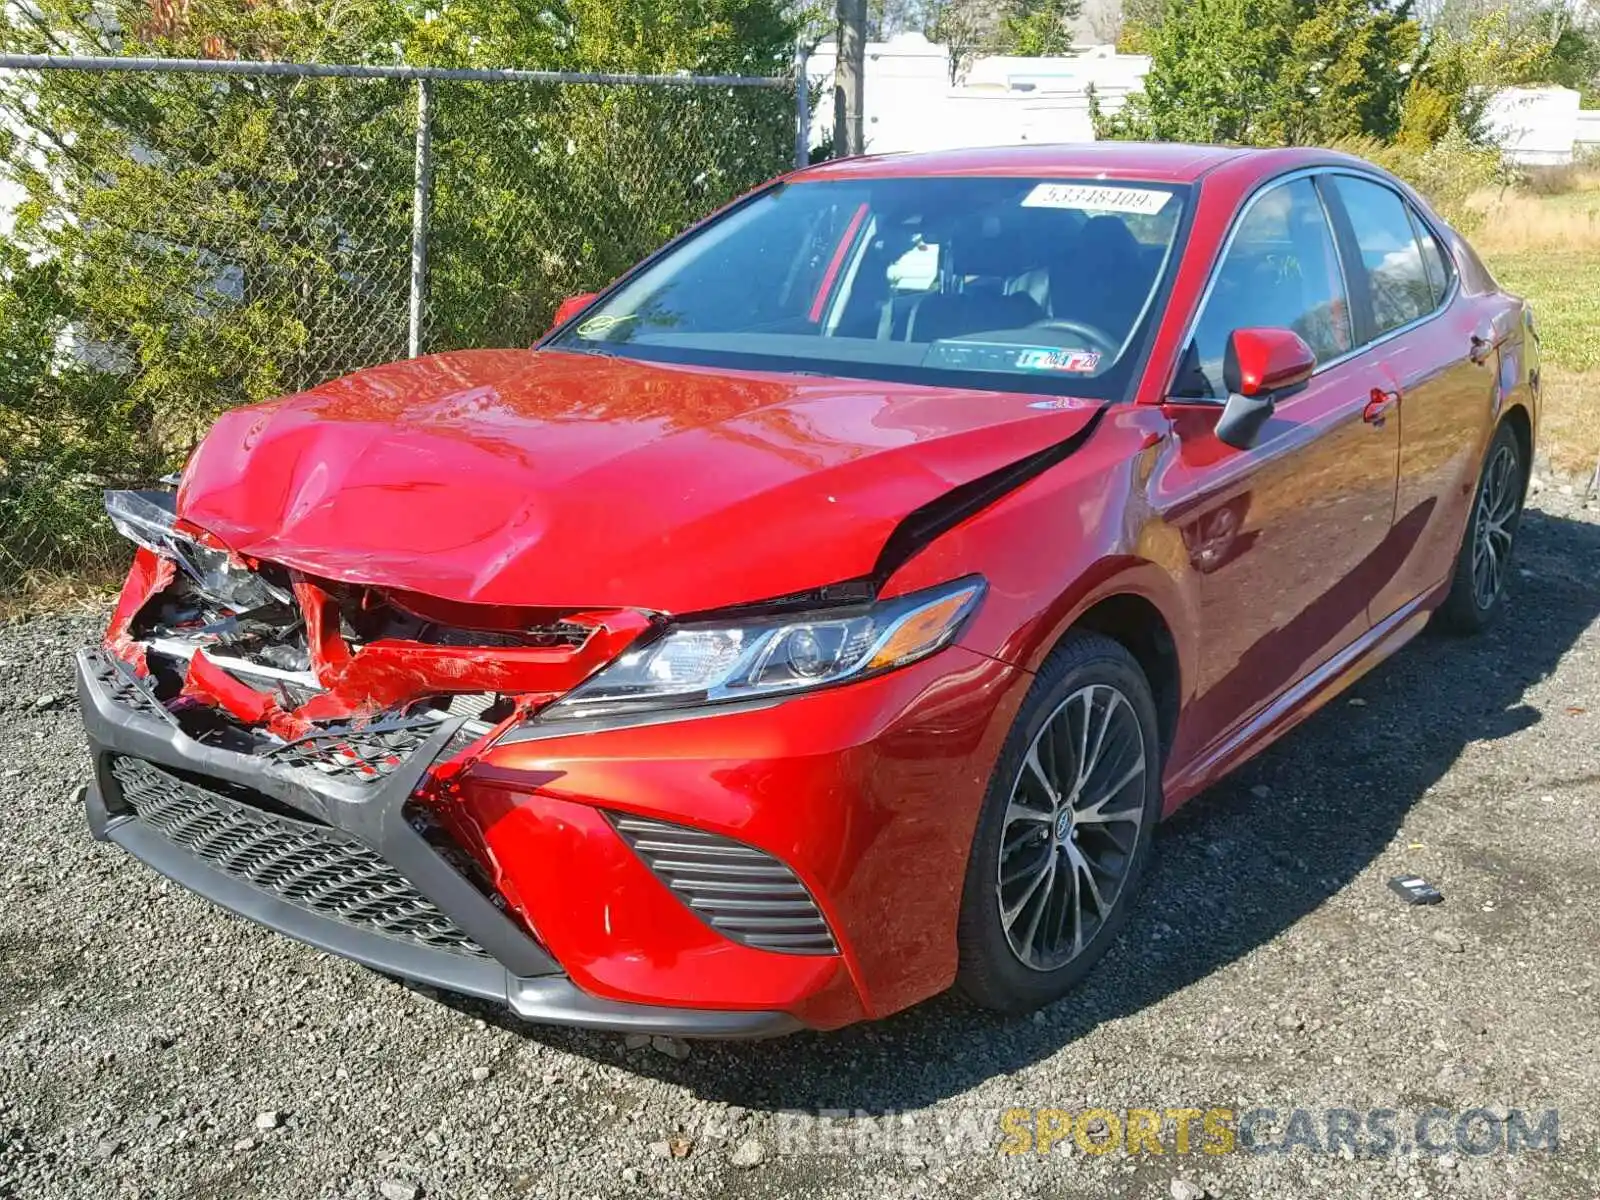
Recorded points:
1179,1130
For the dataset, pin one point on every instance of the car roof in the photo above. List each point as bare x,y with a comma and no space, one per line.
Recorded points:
1164,162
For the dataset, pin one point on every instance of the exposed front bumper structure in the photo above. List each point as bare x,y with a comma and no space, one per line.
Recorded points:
318,840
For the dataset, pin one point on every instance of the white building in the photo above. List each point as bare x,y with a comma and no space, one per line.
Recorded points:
1539,126
1587,143
910,103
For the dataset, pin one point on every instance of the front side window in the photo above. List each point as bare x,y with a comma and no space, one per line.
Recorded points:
1280,270
1397,278
1022,284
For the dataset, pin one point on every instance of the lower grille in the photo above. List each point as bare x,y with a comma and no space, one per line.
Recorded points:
312,866
741,892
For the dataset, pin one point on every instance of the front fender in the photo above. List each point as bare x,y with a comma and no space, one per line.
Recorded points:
1064,541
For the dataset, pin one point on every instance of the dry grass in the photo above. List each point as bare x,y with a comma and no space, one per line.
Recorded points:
1569,430
52,592
1560,180
1519,222
1560,212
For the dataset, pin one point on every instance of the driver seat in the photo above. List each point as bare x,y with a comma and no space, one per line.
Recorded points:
1102,282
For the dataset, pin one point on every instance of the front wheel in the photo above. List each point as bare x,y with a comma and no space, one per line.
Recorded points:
1484,563
1065,829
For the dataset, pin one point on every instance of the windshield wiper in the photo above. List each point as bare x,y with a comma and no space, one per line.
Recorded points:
586,348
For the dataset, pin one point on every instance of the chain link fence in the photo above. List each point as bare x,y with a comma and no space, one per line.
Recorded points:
176,237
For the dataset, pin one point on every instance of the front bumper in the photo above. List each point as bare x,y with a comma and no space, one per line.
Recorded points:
333,858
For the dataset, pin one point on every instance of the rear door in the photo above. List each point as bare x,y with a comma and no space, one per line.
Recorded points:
1437,349
1290,537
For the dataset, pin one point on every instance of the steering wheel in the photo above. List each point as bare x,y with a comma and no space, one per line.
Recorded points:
1097,338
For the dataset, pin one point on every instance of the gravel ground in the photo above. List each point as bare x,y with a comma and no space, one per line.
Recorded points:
153,1046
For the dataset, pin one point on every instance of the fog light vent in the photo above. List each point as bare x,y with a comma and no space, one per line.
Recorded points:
741,892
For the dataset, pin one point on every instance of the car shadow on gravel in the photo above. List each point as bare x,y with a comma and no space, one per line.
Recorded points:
1233,869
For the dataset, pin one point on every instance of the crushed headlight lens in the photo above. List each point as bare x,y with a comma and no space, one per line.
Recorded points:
149,519
707,663
145,518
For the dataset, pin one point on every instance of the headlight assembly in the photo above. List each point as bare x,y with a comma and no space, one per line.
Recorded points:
149,520
715,662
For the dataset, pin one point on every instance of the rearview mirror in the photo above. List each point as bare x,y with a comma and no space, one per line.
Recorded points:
571,307
1258,366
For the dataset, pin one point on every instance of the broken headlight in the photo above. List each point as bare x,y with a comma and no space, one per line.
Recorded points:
149,519
714,662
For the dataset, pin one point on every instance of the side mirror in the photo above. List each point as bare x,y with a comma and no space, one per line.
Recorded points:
1257,367
571,307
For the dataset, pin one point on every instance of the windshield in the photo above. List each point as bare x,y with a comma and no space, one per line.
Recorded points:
1017,284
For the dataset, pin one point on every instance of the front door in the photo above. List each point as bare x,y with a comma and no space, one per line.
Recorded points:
1290,540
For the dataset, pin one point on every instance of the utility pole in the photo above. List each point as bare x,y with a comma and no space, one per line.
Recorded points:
848,77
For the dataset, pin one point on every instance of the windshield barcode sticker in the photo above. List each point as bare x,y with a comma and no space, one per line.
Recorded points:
1096,197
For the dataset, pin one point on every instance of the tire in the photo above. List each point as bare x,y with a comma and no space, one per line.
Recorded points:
1475,600
1003,965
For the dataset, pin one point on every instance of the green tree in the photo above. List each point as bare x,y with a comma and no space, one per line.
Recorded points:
577,183
1270,72
966,27
974,28
1038,27
1346,71
1212,70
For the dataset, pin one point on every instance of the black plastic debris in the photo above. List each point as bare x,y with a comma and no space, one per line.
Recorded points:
1414,889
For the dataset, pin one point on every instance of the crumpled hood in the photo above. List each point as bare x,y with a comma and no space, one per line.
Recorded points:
546,478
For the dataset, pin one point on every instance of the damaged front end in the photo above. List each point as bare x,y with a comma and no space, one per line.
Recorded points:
292,748
230,644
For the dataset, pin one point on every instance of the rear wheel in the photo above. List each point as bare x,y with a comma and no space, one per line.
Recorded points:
1065,829
1484,563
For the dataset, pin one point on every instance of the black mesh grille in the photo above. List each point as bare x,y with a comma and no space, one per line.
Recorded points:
741,892
367,755
312,866
561,633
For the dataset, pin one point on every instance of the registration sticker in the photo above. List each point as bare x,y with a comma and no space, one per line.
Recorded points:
1079,362
1097,197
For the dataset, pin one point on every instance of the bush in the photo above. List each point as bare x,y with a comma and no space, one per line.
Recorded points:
1555,180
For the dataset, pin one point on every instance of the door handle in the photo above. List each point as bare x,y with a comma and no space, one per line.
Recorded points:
1483,344
1378,405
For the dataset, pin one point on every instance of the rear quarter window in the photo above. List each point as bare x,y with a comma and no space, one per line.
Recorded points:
1434,259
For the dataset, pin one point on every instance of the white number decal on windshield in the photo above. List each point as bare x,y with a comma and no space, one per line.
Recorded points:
1096,198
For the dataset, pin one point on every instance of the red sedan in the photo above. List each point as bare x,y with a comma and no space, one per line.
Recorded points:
826,613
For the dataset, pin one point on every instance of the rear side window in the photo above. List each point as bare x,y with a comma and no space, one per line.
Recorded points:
1398,282
1280,271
